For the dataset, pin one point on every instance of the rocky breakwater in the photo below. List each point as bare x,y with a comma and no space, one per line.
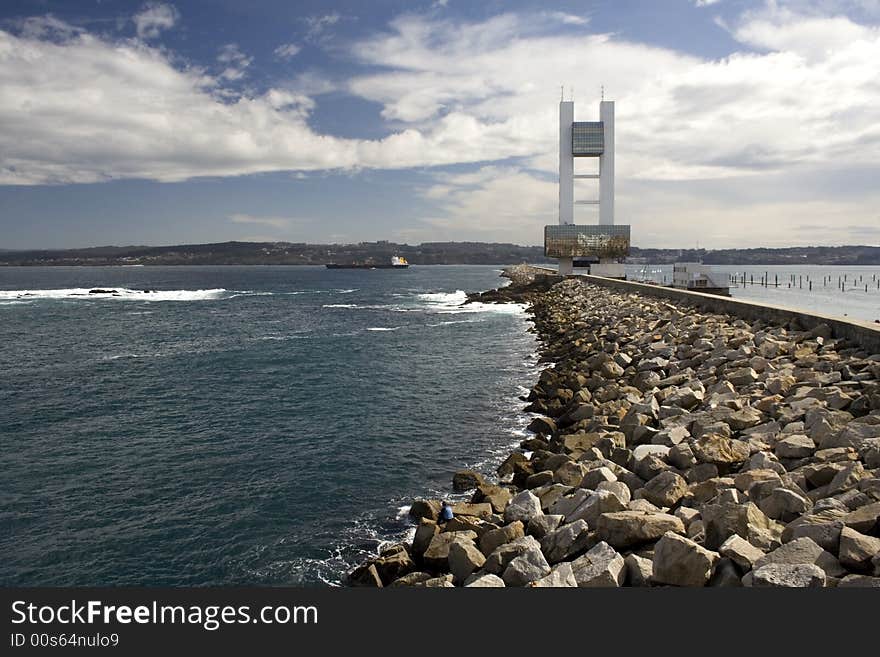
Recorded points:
671,447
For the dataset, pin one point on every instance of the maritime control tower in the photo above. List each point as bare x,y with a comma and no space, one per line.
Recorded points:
600,247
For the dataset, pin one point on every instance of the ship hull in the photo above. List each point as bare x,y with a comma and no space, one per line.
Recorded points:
365,266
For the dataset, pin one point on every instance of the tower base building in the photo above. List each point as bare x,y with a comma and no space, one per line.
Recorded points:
601,247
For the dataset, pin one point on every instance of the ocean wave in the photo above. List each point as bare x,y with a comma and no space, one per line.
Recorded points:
383,328
457,321
453,303
339,305
346,291
120,293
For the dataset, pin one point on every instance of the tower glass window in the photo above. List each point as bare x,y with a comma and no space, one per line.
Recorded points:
587,138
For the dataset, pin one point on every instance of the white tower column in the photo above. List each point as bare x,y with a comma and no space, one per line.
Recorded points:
606,165
566,174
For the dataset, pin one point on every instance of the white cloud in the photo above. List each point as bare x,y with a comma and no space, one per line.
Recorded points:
154,18
568,19
287,51
317,25
706,3
78,108
87,110
235,62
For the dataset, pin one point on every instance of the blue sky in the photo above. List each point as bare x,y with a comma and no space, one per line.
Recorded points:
739,122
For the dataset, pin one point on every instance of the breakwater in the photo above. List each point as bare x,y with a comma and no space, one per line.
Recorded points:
675,443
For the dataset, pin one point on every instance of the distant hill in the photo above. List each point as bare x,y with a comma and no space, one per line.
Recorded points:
281,253
428,253
796,255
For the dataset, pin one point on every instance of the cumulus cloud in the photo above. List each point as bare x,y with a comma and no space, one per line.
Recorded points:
154,18
801,92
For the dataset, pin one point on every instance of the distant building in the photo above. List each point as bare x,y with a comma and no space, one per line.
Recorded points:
601,247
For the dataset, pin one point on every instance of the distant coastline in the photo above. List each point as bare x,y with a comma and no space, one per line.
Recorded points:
428,253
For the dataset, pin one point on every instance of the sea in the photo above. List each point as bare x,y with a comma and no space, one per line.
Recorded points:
851,292
196,426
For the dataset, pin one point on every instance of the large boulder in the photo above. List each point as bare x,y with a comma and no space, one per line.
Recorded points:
802,551
566,541
411,579
602,566
720,450
797,446
562,576
544,425
486,581
788,576
480,510
682,562
501,556
495,537
665,489
601,501
741,552
540,526
497,496
865,520
394,563
365,575
523,507
624,529
464,559
860,581
436,557
466,480
857,550
429,509
821,526
528,567
425,533
638,570
721,521
784,504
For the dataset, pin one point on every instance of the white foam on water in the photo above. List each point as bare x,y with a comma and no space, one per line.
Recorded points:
453,303
348,291
385,328
458,321
447,298
339,305
478,307
120,293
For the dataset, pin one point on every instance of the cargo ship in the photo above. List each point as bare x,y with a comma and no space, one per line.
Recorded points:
397,262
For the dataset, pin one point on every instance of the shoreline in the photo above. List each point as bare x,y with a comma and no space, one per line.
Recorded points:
673,446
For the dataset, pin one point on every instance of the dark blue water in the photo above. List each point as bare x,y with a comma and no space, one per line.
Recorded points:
240,425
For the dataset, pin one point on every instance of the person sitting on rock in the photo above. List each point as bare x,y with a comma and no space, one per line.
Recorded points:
445,513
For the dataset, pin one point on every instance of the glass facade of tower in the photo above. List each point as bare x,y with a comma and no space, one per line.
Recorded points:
575,241
587,138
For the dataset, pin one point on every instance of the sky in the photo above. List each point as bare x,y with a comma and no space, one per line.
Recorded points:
739,123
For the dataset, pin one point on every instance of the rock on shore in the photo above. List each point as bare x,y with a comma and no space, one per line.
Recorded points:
672,447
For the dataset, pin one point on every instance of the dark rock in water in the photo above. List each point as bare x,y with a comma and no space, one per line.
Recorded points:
365,575
99,290
466,480
429,509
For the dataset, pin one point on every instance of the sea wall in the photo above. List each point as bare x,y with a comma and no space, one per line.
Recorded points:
678,441
866,334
